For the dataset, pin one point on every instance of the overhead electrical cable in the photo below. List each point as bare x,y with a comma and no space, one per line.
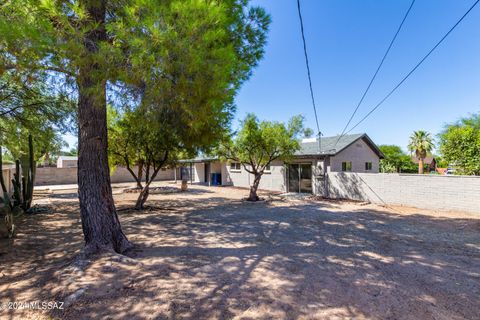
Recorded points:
308,67
416,66
376,72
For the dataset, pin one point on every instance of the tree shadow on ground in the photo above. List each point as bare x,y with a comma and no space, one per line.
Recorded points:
218,258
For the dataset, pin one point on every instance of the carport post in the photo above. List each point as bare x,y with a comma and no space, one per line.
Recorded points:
191,173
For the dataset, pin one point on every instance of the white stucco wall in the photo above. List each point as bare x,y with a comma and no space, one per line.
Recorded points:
274,181
61,163
7,177
358,153
199,172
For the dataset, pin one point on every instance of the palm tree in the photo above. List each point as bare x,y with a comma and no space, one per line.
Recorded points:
421,143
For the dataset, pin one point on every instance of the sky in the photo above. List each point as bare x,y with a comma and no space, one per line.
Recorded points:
346,40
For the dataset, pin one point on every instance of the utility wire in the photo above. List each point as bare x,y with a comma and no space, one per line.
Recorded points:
375,74
308,66
416,67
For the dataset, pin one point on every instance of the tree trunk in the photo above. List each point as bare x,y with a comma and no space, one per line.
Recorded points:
420,166
142,198
100,224
254,187
140,174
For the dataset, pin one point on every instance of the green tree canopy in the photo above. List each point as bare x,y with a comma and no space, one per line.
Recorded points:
96,47
460,145
259,143
395,160
28,106
144,139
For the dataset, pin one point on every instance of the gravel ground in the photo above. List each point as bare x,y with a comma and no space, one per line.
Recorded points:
206,254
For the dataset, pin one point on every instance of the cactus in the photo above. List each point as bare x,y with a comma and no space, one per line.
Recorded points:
29,176
23,182
17,185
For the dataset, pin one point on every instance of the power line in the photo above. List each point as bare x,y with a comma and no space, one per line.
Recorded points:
415,68
308,66
375,74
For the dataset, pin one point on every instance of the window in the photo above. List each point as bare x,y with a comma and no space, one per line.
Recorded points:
267,169
368,166
236,166
347,166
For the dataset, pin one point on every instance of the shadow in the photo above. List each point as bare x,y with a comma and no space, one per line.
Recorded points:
221,258
352,186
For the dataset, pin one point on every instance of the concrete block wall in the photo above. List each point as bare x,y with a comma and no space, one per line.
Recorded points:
457,193
53,176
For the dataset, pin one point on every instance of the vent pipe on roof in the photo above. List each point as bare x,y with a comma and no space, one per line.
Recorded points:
320,141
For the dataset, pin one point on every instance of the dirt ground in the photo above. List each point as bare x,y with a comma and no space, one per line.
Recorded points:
206,254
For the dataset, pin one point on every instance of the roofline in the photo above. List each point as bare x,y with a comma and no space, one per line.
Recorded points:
198,160
363,136
369,141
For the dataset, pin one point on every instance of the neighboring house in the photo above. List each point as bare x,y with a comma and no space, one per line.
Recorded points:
304,173
429,163
67,162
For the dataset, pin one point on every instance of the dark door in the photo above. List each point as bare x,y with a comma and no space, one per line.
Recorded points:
306,178
300,178
293,178
185,173
207,173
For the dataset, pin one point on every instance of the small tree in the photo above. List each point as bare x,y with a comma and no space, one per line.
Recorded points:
460,145
139,138
258,144
421,143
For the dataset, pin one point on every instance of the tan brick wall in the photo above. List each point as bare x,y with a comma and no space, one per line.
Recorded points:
458,193
52,176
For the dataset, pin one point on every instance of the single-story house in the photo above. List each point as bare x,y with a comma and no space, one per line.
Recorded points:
303,174
67,162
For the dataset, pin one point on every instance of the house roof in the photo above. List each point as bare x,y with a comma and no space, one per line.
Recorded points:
329,145
200,158
427,160
310,147
67,158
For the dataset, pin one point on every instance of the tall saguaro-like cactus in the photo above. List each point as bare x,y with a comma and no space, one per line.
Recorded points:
24,181
28,180
17,186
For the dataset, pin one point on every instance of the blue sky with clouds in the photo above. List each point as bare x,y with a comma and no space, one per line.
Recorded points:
346,40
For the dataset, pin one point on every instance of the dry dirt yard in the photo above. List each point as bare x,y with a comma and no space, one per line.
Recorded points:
206,254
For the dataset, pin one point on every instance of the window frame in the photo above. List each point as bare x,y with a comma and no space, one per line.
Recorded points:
234,165
368,166
268,169
345,166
